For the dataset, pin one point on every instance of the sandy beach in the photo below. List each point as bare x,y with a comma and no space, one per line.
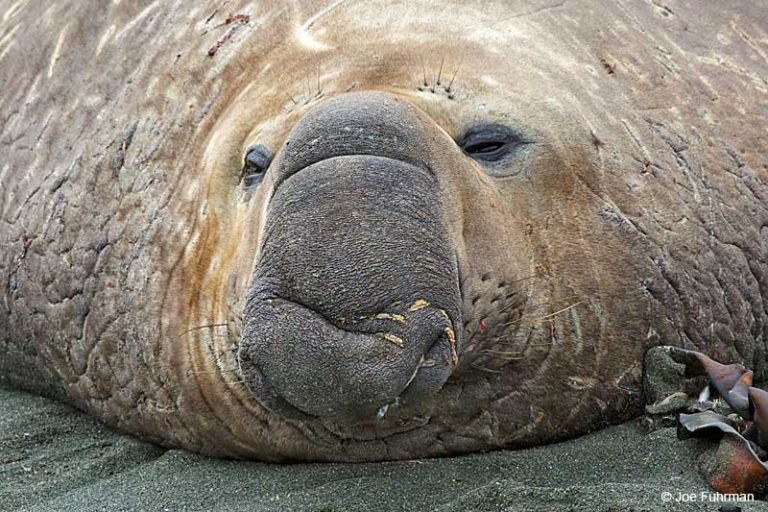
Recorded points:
53,457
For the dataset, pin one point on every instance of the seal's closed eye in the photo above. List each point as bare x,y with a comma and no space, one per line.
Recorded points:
491,143
255,165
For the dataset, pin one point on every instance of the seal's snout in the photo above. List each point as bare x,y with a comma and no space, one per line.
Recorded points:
355,293
298,363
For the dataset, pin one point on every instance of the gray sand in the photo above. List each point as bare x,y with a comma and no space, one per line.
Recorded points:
55,458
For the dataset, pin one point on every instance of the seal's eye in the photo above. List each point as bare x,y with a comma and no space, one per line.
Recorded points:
257,160
490,143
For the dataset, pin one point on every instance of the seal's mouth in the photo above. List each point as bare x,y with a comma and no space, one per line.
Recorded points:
355,369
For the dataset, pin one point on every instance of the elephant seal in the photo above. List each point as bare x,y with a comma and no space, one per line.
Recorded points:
356,231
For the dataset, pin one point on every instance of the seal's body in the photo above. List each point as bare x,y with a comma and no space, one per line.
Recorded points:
351,231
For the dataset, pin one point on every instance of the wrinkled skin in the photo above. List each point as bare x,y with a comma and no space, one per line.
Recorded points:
143,283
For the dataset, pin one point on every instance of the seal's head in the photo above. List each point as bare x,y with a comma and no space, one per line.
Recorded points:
386,258
409,246
392,246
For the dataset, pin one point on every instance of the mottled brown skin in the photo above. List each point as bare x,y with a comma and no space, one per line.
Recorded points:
639,217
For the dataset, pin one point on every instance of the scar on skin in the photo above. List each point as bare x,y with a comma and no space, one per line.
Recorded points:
390,316
236,21
392,338
419,304
377,316
452,341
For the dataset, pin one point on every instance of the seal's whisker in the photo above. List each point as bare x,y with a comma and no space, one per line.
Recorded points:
526,278
543,318
513,341
512,355
440,71
532,305
520,280
203,327
484,369
510,306
551,315
455,72
506,359
434,83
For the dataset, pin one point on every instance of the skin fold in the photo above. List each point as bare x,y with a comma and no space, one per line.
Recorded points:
143,282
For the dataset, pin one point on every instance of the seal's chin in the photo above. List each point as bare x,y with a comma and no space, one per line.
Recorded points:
357,371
